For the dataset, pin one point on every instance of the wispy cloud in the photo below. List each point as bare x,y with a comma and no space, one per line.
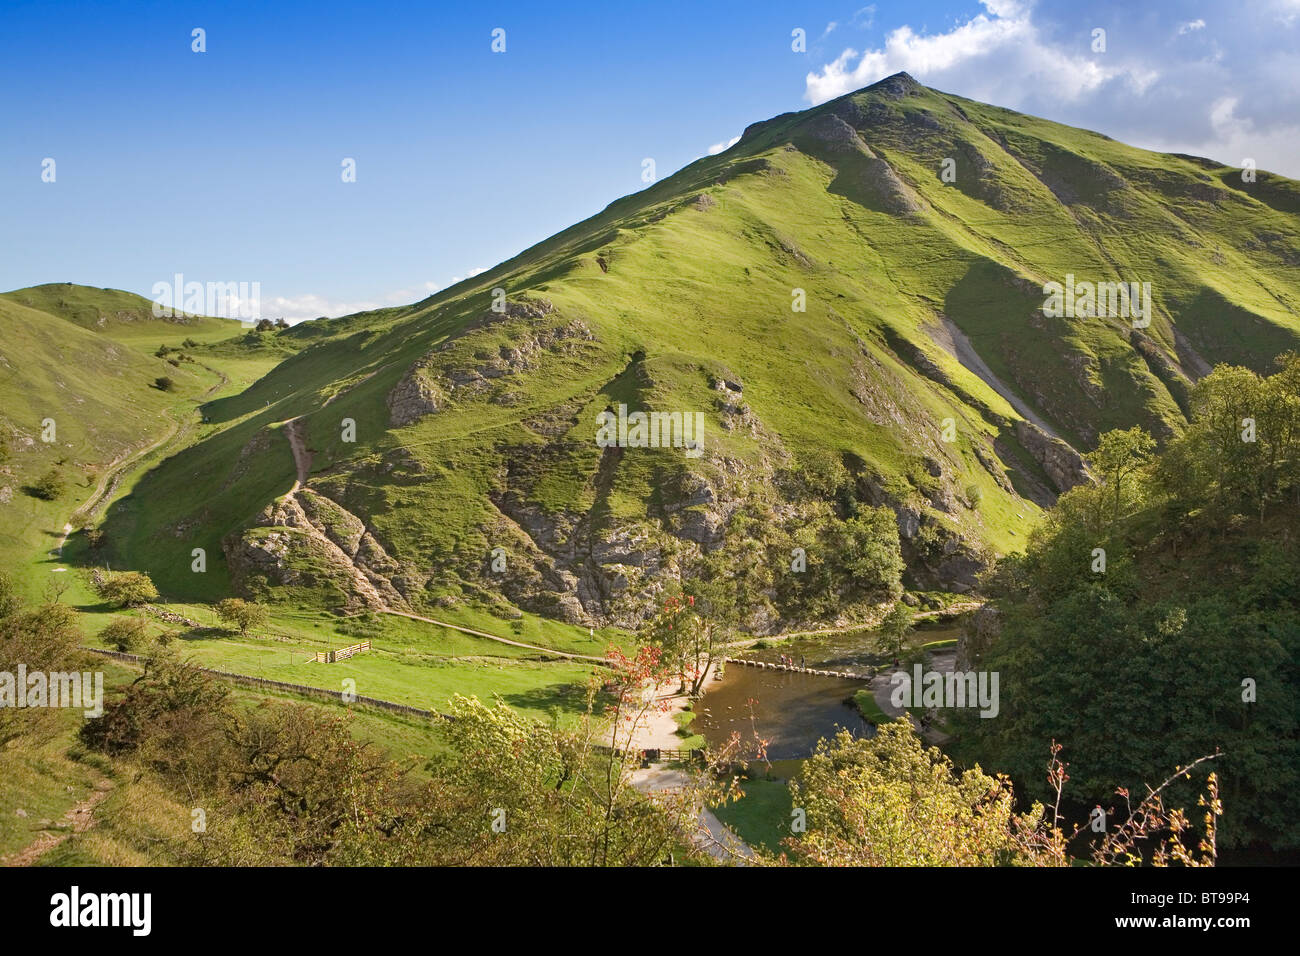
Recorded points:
719,147
298,308
1159,94
1003,40
864,17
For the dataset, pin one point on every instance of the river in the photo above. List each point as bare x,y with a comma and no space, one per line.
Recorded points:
793,711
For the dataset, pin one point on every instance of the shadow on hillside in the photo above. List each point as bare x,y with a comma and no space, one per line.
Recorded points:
568,698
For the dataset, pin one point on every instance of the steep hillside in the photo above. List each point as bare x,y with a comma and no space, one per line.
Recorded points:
81,398
923,375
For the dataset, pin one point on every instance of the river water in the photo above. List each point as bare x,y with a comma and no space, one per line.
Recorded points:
793,711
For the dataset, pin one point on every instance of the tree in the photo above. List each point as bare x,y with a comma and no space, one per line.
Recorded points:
1191,595
43,638
128,589
50,487
164,384
870,552
241,614
687,637
1119,456
887,800
895,628
127,634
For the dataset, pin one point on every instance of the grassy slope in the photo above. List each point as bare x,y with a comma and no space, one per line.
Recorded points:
705,288
106,409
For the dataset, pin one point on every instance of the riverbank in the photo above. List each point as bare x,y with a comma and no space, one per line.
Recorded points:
658,729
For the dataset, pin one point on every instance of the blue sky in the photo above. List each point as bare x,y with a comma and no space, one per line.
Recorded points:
225,165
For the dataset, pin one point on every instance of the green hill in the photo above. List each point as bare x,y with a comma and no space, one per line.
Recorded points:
475,428
83,396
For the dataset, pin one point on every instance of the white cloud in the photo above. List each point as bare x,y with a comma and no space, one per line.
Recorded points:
864,17
830,28
1152,93
297,308
719,147
1002,43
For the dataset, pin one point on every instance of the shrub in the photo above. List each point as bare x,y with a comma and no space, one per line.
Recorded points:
127,634
243,615
50,487
128,589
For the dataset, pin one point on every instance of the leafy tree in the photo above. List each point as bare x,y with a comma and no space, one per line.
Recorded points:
242,615
871,558
1197,609
129,634
1120,455
887,800
895,628
50,486
128,589
41,638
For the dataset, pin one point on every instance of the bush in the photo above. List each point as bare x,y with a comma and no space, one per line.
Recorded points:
244,615
127,634
50,487
128,589
164,384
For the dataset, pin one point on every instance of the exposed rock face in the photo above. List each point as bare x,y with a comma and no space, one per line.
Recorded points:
305,539
414,396
1064,465
457,369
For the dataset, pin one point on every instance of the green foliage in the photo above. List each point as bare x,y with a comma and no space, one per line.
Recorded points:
895,628
129,634
39,638
1146,665
243,615
50,486
127,589
888,801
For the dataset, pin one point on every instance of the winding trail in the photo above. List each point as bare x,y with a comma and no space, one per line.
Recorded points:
711,834
77,820
301,456
119,466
